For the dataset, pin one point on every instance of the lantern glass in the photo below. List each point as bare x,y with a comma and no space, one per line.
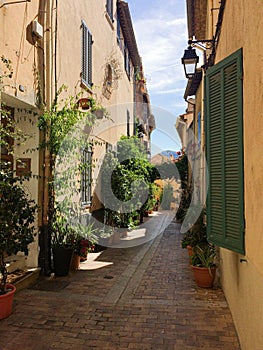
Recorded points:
190,60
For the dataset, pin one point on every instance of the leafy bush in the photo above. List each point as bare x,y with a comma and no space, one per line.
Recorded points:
16,220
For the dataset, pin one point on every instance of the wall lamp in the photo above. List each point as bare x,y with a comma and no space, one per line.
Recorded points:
13,2
190,58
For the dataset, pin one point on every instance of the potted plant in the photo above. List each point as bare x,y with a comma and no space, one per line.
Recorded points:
85,103
83,242
16,230
203,265
82,247
196,235
61,242
80,252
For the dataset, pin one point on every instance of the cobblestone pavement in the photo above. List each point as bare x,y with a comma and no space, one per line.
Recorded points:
143,298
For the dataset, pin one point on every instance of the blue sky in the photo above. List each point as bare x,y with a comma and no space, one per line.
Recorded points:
161,33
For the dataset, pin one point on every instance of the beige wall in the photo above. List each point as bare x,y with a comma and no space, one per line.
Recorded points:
243,281
104,49
65,49
14,20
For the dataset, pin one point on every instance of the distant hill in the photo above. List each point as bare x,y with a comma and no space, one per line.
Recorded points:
164,156
168,153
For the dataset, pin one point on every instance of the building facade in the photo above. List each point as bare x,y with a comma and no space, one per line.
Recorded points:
228,103
91,49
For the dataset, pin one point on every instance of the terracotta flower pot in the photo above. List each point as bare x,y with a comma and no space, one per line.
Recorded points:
203,276
84,256
75,261
6,301
190,253
190,250
84,103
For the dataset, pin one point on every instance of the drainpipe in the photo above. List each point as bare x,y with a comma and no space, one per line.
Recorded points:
46,241
135,70
203,155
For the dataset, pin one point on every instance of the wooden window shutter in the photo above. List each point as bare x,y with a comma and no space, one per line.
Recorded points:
224,139
86,55
109,7
118,29
89,59
86,175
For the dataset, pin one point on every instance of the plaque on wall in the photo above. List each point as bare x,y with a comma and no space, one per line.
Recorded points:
23,166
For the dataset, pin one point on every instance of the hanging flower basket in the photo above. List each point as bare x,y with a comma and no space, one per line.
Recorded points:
84,103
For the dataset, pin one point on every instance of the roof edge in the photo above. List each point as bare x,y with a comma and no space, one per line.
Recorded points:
128,32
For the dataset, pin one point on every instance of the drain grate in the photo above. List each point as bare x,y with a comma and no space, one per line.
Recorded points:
50,285
108,277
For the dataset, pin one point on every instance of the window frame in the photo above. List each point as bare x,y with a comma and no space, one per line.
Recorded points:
109,9
128,122
86,176
86,55
127,63
118,29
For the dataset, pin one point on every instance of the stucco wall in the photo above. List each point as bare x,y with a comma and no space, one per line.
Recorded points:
105,50
14,21
14,46
243,281
28,57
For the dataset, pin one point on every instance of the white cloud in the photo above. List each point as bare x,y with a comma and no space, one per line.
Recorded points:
161,33
161,40
171,91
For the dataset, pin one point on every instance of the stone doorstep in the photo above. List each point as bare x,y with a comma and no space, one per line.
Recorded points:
15,262
28,280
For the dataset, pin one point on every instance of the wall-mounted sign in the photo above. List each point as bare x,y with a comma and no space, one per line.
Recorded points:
23,166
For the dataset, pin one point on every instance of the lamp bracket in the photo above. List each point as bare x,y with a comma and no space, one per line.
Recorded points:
190,42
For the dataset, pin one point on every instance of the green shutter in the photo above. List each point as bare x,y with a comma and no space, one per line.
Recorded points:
224,140
86,60
89,59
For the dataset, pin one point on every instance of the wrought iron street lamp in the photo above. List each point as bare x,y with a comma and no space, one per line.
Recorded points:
190,60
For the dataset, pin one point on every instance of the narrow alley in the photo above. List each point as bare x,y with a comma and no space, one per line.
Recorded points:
142,297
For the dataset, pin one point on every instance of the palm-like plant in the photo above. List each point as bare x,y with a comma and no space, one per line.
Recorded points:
204,256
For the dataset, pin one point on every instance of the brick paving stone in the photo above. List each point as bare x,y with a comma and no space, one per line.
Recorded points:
151,302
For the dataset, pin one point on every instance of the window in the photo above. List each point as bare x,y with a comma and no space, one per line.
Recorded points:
128,123
86,175
127,62
145,109
118,29
224,139
109,147
86,73
109,7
